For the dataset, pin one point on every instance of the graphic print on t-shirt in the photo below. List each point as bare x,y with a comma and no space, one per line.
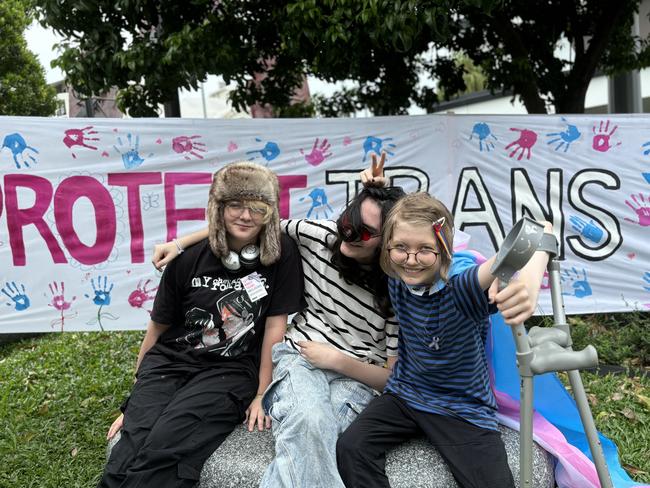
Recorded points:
227,330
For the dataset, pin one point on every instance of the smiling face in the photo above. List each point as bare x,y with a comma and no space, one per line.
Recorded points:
409,229
363,251
243,225
412,238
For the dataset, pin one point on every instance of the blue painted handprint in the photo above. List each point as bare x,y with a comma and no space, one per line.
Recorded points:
102,292
21,152
318,204
130,153
101,298
17,295
564,138
579,284
270,151
646,145
484,134
376,145
589,230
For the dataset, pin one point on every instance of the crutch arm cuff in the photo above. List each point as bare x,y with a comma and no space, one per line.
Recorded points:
548,244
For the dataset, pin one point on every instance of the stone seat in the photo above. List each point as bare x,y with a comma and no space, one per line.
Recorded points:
241,460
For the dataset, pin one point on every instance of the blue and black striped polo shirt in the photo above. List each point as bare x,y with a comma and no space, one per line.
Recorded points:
442,365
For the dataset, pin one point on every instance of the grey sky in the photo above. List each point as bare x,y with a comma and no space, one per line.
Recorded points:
40,41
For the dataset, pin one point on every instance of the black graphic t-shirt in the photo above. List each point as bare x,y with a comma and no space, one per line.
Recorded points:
216,315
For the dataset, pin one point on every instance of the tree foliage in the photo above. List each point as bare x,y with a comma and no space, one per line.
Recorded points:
149,48
23,90
517,47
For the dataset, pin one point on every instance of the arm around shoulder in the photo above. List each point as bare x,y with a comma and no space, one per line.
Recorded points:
163,254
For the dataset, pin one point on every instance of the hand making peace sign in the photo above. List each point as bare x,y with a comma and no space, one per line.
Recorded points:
374,175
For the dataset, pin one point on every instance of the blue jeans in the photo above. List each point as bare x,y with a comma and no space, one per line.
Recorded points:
309,407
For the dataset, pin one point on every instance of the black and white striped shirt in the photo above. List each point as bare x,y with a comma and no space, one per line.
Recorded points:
338,313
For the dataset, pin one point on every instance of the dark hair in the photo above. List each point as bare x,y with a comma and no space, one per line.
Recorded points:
374,280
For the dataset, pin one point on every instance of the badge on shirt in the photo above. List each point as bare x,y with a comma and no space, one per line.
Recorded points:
254,286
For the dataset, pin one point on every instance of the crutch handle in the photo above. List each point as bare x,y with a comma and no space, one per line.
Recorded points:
551,357
539,335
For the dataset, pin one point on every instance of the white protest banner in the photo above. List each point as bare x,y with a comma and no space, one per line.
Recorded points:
83,201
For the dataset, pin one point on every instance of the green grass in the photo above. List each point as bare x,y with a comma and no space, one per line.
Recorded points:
621,409
620,404
622,339
61,392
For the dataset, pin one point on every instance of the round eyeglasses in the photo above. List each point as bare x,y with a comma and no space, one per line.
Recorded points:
257,210
424,257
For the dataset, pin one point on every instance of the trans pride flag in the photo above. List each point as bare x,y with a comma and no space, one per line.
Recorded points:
556,423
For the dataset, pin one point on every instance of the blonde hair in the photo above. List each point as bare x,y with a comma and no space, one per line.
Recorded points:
418,209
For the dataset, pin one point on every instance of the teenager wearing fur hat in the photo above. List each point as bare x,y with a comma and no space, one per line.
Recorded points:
333,355
205,360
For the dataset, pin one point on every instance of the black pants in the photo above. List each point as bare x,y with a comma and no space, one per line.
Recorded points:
476,456
177,416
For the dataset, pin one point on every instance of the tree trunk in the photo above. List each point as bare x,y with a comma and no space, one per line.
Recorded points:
532,101
572,104
527,90
172,107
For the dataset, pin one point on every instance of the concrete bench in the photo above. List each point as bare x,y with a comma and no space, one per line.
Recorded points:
241,460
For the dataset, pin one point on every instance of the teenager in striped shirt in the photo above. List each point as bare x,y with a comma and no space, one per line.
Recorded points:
440,386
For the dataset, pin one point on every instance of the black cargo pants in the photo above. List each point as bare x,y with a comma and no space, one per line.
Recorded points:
176,417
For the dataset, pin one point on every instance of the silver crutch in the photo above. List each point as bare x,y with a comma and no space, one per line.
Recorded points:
546,349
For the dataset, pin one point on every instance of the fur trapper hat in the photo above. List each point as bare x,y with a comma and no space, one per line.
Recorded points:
244,181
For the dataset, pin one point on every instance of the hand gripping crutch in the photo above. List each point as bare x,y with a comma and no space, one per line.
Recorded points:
545,349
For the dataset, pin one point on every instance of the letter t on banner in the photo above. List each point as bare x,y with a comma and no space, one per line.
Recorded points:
132,182
174,215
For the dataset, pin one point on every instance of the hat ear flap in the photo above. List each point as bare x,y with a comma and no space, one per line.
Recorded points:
270,240
216,228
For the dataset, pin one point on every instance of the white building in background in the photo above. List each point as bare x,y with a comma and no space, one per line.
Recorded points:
209,101
484,102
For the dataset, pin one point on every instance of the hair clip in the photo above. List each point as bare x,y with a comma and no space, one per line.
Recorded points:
437,230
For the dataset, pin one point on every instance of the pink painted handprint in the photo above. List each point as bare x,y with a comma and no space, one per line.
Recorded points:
318,153
142,294
79,137
601,138
524,144
641,208
59,302
188,146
